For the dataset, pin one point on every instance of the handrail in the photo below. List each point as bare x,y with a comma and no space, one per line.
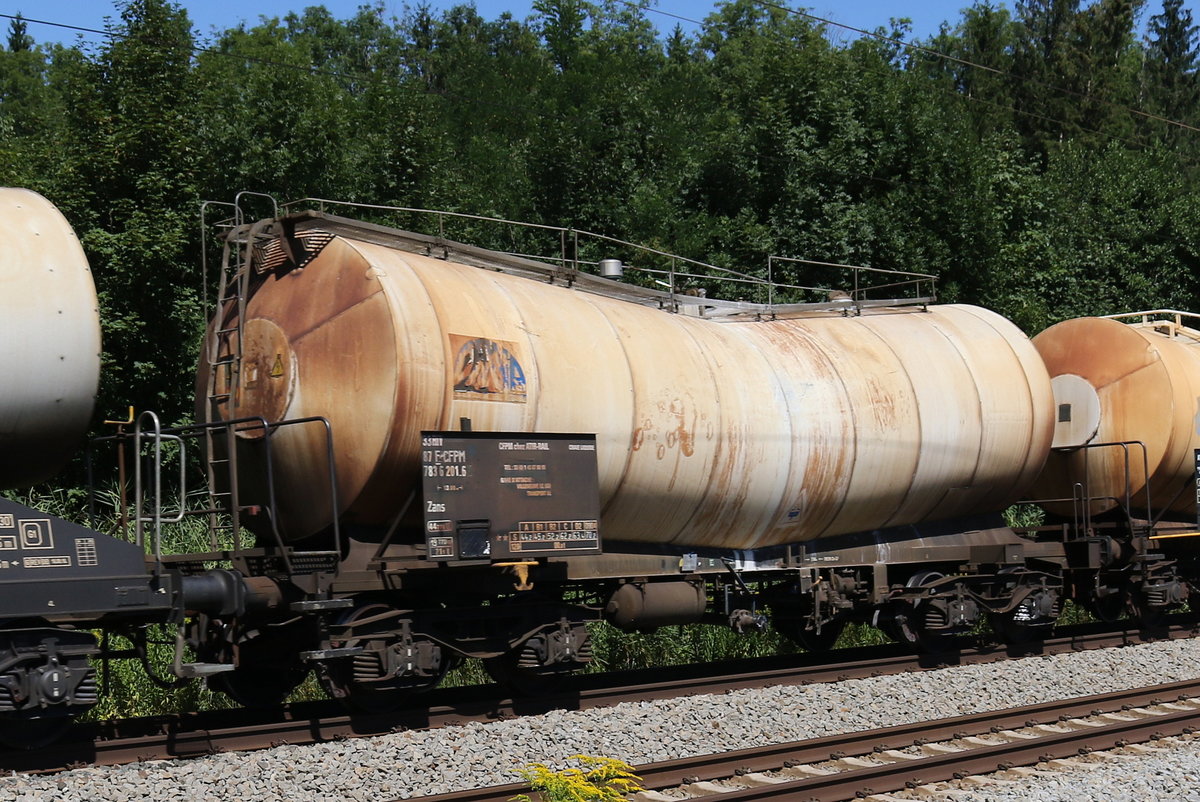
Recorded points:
568,258
1081,495
204,249
1145,314
151,432
237,203
139,520
1176,322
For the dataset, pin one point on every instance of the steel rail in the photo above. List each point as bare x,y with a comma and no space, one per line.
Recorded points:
196,734
908,773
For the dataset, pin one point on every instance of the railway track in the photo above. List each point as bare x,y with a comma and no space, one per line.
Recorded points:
863,764
194,735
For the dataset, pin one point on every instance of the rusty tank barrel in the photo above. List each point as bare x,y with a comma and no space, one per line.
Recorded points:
49,339
1127,392
737,433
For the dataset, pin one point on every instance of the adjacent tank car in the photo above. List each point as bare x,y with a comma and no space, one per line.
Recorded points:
60,580
1127,437
416,451
50,328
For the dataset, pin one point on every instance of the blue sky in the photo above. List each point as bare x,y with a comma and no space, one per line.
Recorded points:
206,15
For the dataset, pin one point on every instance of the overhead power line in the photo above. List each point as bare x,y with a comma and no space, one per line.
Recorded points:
975,65
642,7
1062,123
194,47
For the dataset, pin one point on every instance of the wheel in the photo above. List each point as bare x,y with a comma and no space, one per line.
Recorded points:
1031,620
267,671
508,671
904,627
1148,617
1014,630
541,664
810,640
1109,607
364,697
361,681
257,687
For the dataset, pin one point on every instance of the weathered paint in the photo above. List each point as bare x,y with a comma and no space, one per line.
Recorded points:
1147,379
733,434
49,339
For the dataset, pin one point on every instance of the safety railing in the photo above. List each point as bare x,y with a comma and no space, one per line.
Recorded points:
158,502
681,278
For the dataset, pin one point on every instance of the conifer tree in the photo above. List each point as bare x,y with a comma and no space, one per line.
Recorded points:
1170,82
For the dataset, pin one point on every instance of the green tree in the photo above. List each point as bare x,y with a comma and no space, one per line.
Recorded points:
1107,64
982,47
128,184
1169,78
18,37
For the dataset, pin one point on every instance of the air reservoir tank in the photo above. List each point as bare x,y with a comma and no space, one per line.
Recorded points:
1127,388
49,339
737,433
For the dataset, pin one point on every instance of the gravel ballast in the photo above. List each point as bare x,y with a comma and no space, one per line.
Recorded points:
410,764
1167,773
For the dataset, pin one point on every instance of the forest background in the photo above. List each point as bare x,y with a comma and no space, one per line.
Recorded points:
1042,162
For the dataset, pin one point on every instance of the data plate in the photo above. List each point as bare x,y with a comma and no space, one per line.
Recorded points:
500,496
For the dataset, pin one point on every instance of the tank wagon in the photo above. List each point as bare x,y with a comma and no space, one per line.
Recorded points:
412,451
1126,459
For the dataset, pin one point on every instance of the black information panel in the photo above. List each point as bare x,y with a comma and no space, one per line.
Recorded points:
502,496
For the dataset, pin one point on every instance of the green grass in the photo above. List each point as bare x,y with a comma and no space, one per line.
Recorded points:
615,650
131,692
1020,516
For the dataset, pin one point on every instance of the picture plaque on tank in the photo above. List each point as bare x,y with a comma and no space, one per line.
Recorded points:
508,496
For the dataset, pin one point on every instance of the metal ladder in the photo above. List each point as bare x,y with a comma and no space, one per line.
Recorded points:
224,347
224,355
224,351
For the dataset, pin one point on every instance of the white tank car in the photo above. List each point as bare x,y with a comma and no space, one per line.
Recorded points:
734,433
49,339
